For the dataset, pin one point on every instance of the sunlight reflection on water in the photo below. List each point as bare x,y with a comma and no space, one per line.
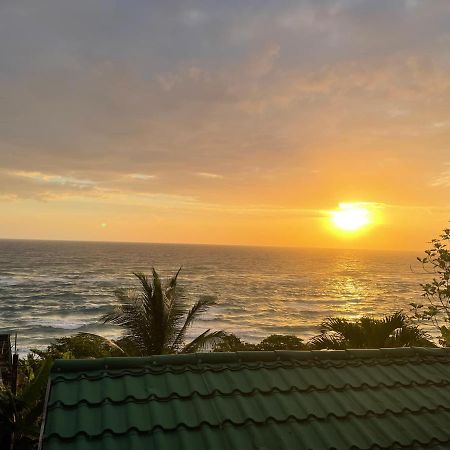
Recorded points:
48,289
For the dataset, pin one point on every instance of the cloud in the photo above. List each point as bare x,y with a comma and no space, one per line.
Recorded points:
209,175
141,176
194,17
19,185
60,180
443,179
96,101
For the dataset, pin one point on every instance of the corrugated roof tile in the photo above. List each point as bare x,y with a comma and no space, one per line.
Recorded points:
362,399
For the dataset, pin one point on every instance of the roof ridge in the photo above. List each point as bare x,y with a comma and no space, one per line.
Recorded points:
212,358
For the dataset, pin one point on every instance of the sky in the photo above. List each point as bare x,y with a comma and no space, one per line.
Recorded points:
227,122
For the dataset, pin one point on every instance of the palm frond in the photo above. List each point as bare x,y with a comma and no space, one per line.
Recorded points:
350,332
176,309
130,314
374,333
152,323
159,316
104,340
336,324
327,341
173,281
206,339
396,320
366,332
411,336
199,307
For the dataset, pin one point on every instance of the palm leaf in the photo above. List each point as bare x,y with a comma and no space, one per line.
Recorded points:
410,336
200,307
327,341
130,314
173,281
206,339
347,331
104,340
366,332
177,309
159,314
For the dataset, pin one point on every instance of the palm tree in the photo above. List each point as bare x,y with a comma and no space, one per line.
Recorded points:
391,331
155,318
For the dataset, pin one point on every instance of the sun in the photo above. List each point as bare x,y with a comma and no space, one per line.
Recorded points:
350,217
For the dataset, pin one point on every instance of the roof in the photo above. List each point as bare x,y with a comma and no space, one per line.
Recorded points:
386,398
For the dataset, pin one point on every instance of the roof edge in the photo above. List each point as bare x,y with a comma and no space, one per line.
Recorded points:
76,365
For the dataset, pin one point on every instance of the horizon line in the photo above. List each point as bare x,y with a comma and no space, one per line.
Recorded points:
294,247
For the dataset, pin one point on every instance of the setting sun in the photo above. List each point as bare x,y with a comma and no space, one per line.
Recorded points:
202,185
350,217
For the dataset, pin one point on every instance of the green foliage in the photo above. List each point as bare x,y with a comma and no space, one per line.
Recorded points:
20,414
445,336
366,332
27,369
281,342
127,346
232,343
82,345
155,318
437,290
8,412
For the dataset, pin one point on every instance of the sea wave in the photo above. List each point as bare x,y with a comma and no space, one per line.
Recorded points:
48,289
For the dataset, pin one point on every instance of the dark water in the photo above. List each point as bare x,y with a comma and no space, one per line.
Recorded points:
50,289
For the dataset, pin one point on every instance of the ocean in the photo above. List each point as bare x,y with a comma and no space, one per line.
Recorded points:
50,289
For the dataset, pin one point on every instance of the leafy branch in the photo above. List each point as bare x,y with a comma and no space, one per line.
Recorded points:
436,292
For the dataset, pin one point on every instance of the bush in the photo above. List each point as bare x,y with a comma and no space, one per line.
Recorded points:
82,345
281,342
437,291
395,330
232,343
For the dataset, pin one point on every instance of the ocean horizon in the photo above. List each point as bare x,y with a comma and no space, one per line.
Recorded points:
200,244
50,289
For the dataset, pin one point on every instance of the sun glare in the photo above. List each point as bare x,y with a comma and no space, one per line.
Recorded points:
350,217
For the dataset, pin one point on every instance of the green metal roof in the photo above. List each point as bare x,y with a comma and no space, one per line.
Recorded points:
387,398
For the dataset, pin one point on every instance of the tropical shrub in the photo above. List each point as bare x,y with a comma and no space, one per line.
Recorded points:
79,346
20,414
281,342
437,291
391,331
232,343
